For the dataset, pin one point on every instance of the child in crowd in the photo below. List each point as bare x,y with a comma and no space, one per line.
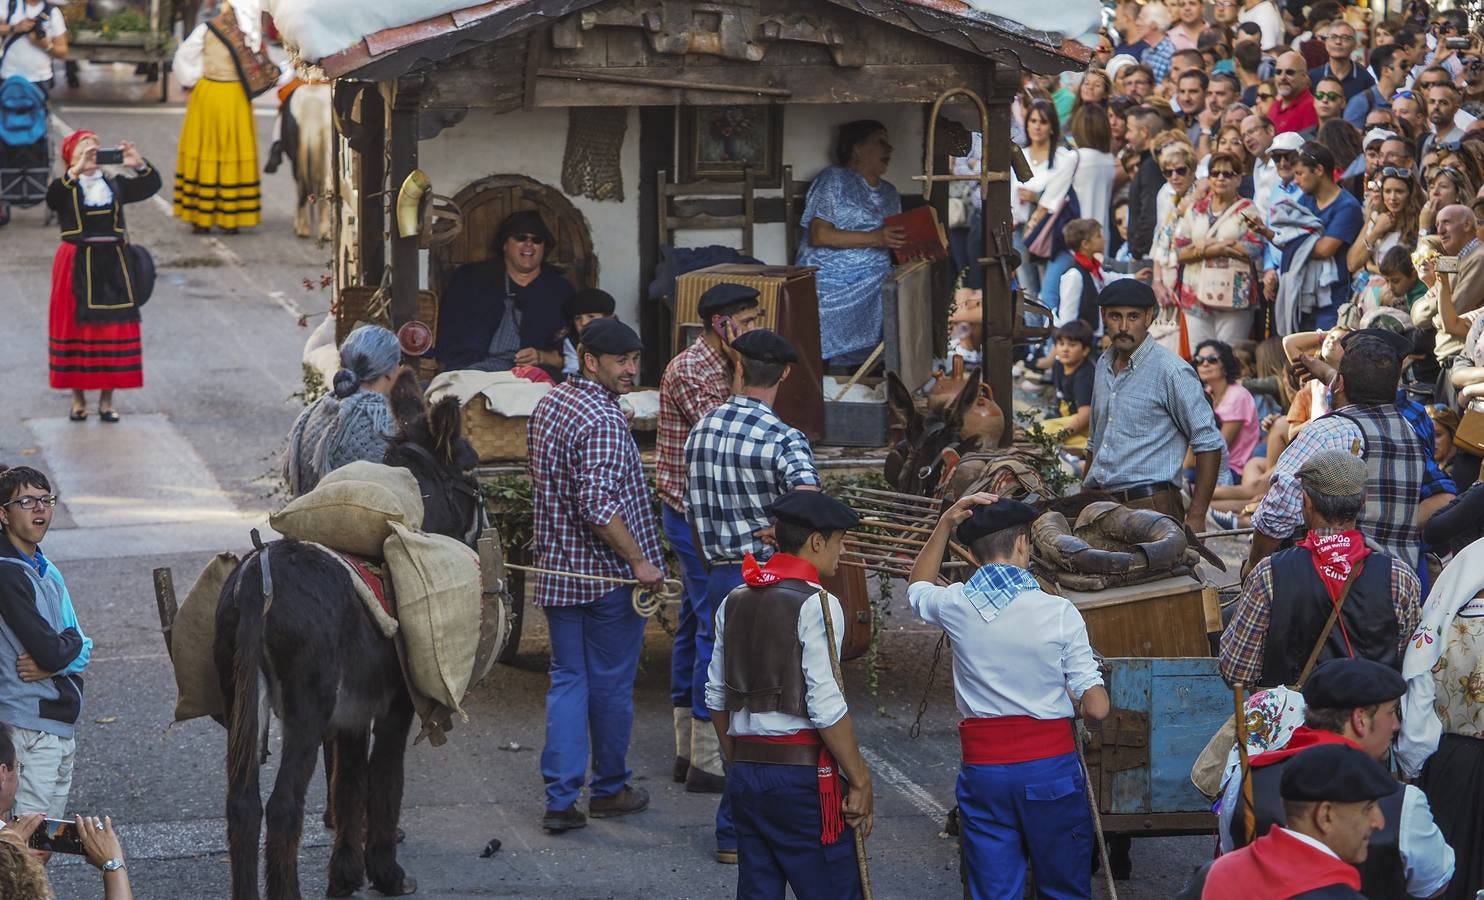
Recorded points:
1401,278
579,309
1077,294
1312,401
1072,378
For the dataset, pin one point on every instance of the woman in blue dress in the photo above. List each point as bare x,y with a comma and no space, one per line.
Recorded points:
845,238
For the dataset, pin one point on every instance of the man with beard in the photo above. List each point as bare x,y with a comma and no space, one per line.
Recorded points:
1294,108
1442,104
1391,68
1190,93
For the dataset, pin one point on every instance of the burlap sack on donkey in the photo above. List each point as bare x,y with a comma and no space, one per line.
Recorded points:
438,611
197,688
352,508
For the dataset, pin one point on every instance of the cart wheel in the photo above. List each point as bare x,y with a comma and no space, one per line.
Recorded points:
515,613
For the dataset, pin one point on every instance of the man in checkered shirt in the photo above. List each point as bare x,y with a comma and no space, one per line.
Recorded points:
697,381
593,516
738,460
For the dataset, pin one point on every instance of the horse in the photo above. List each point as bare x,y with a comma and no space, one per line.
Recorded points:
292,635
308,130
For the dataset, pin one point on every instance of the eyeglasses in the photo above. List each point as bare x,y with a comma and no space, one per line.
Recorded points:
526,236
1347,38
1287,71
1429,85
1223,174
1328,95
1199,360
1264,96
1176,172
49,501
1396,172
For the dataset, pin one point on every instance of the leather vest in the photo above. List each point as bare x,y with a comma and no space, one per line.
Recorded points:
1384,872
764,661
1302,607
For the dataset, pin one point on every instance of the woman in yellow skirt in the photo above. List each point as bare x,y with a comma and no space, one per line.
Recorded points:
216,166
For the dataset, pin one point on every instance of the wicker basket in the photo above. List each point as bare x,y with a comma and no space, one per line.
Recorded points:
353,307
495,438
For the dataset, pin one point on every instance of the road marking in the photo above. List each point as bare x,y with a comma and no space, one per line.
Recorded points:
915,793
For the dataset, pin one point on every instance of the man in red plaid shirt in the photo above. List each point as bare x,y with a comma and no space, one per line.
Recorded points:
593,516
697,381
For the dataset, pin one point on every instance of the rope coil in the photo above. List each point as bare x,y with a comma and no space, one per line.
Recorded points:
646,602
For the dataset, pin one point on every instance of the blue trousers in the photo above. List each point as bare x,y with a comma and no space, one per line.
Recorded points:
719,582
1032,811
594,657
687,672
778,826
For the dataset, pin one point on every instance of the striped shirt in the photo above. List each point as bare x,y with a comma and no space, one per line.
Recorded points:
738,460
585,469
1161,411
695,382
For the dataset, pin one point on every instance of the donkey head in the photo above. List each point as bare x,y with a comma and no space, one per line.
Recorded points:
915,465
433,447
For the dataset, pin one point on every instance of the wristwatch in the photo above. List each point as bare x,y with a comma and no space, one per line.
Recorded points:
113,865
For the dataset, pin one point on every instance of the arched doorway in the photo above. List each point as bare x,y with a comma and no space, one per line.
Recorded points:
485,204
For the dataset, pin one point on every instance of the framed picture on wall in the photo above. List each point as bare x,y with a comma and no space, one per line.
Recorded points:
717,141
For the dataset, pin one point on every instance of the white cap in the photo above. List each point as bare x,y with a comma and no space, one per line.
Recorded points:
1377,134
1117,63
1288,141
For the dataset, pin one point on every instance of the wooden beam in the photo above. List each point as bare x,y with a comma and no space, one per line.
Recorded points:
1000,84
656,152
402,128
370,183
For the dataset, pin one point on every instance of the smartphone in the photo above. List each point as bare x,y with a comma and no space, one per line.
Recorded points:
57,836
1129,267
1456,43
723,326
1447,264
114,157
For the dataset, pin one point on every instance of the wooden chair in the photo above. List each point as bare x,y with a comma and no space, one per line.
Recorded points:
794,195
670,220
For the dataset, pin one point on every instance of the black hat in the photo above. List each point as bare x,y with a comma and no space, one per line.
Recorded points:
1339,773
1127,292
765,346
814,509
524,221
1399,343
610,336
588,301
992,517
1352,683
720,296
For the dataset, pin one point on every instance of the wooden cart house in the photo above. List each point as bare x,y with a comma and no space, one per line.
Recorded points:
604,114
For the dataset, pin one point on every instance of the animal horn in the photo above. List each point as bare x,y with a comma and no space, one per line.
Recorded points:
409,202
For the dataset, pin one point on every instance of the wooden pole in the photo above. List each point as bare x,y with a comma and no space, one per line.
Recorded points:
402,140
165,602
1249,812
1000,84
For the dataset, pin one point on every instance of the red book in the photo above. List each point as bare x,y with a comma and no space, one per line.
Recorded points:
925,237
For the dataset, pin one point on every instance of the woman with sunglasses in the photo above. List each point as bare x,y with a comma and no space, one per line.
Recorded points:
1229,141
1217,251
1236,410
1177,163
1266,95
1392,210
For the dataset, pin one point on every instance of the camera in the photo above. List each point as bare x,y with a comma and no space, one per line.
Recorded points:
57,836
114,157
1456,43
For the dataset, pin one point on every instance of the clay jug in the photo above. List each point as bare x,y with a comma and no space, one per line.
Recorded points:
984,419
946,386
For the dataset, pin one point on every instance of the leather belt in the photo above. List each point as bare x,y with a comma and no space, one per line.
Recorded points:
775,754
1141,491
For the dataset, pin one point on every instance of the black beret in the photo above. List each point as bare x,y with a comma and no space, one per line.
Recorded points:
720,296
524,221
1399,343
992,517
1127,292
610,336
814,509
1339,773
588,301
765,346
1352,683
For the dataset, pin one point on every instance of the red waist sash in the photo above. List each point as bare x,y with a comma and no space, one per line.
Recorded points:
1014,739
831,798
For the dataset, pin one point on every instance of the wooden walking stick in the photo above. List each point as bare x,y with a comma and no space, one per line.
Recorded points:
829,637
1249,812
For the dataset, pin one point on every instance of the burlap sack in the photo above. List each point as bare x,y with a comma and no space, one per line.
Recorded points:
1210,765
353,507
197,687
438,611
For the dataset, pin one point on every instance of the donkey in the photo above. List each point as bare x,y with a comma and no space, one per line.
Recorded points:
292,635
308,137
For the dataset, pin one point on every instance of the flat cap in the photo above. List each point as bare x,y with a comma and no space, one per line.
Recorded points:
588,301
1334,473
814,509
765,346
1352,683
1339,773
1378,135
1399,343
719,296
610,336
1127,292
996,516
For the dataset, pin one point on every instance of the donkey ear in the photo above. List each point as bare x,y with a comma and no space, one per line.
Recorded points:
445,424
900,401
963,402
406,397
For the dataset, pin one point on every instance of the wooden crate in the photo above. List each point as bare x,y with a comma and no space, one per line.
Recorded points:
1158,618
1139,758
495,438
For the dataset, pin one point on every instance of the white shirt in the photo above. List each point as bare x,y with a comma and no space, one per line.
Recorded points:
1050,180
1268,18
1264,184
1024,663
1069,296
1093,182
822,694
25,58
1312,842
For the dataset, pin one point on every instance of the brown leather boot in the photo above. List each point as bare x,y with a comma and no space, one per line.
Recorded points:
627,801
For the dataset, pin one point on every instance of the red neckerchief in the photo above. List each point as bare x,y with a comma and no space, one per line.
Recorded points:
1334,555
780,567
1090,264
1284,865
1303,738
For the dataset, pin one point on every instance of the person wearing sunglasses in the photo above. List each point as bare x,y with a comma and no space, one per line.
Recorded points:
1218,249
1473,84
504,314
1329,104
1391,67
1294,108
43,652
1177,162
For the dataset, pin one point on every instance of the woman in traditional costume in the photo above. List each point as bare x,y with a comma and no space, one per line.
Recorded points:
216,164
96,289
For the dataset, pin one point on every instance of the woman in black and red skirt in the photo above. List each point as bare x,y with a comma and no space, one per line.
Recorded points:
96,286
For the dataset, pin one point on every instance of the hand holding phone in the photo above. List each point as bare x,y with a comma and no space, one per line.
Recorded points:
56,836
724,328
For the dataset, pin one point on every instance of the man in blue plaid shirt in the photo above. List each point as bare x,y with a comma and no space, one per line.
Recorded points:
739,458
593,516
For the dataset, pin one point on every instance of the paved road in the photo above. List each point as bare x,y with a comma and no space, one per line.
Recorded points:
191,468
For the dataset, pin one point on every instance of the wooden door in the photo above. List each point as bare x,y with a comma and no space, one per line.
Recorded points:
485,204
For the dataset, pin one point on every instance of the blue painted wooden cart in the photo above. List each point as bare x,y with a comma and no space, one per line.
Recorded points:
1165,709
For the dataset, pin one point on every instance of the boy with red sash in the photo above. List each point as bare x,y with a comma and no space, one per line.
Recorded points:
781,716
1022,668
